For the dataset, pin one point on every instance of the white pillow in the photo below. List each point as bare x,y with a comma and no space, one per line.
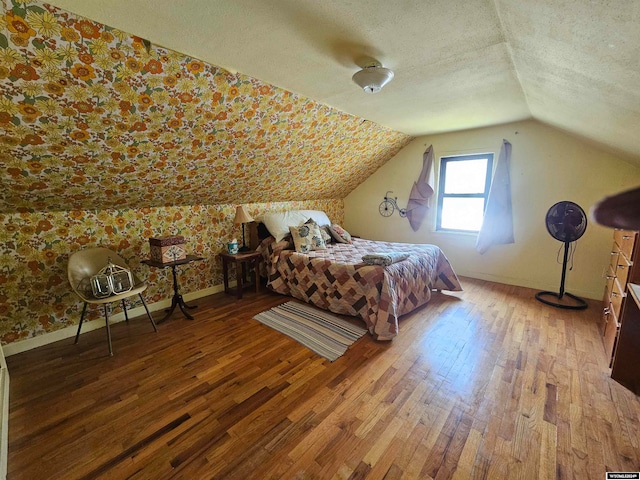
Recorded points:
318,216
278,223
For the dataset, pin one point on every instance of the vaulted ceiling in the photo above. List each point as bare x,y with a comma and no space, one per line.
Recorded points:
573,64
92,117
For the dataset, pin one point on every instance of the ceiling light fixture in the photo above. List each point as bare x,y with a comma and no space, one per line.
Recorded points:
373,77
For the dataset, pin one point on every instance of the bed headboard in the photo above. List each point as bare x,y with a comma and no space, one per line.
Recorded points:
257,233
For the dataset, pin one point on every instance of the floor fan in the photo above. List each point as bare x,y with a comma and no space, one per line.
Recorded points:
567,222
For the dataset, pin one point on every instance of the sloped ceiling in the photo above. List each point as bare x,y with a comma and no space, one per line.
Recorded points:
459,64
574,64
92,118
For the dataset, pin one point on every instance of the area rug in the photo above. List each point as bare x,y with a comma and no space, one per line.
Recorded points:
325,334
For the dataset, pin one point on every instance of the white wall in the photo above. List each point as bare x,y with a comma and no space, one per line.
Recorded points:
547,166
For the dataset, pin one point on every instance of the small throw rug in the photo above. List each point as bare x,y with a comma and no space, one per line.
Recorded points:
325,334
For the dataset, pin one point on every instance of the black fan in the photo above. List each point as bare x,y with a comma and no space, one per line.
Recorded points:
567,222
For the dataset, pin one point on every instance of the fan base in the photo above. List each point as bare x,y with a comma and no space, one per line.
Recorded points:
571,303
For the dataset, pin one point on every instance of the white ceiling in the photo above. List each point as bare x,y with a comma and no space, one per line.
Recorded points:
459,64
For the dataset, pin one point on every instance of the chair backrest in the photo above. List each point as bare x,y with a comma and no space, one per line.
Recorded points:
85,263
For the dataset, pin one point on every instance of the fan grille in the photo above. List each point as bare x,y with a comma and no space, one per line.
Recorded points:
566,221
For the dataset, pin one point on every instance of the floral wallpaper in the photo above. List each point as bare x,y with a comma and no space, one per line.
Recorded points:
35,297
107,140
92,118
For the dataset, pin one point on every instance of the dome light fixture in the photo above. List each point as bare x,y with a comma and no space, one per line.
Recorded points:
373,77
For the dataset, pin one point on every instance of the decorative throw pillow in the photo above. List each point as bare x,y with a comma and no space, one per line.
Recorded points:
307,237
339,234
323,230
278,222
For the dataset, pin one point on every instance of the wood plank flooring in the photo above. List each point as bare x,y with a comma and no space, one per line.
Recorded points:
485,384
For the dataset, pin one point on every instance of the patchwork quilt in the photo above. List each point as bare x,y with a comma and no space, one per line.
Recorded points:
336,279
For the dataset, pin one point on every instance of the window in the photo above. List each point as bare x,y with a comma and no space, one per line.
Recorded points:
462,192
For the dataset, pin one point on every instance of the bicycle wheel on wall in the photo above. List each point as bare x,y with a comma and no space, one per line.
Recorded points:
386,208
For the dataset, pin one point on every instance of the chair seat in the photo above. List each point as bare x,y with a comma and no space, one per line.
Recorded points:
88,262
138,288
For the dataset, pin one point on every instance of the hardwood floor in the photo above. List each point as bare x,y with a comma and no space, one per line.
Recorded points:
485,383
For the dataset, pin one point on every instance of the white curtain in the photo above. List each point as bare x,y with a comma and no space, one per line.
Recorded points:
497,224
421,192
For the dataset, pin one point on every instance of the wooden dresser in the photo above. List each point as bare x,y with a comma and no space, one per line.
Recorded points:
626,356
623,268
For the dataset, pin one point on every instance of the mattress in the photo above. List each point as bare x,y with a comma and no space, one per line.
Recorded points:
336,279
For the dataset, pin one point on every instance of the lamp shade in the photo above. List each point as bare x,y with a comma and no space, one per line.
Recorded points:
242,216
372,79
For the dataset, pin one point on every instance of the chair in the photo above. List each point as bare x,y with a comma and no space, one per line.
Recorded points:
88,262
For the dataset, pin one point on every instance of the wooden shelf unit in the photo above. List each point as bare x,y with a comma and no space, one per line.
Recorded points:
626,357
624,268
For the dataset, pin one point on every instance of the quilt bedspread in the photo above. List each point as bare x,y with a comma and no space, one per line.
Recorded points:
336,279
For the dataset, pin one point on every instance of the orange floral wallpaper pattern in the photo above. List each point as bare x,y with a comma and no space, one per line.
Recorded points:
35,297
105,143
90,119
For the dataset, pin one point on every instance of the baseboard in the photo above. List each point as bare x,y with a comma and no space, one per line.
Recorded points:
519,282
68,332
4,415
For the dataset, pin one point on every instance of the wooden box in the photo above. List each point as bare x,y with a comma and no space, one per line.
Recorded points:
167,249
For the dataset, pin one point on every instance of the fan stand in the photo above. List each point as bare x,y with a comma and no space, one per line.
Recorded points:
578,304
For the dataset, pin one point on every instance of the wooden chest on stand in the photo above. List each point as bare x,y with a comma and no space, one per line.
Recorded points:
167,249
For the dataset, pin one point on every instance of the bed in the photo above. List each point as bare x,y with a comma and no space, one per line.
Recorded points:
335,278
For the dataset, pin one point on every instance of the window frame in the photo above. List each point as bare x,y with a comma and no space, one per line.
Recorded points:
489,156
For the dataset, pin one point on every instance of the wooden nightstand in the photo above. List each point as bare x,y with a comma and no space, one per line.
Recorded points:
241,261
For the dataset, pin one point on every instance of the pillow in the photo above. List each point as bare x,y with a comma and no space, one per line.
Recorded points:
307,237
318,216
323,230
339,234
278,222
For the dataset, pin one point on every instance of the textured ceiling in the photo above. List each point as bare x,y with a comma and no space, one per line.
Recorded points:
574,64
92,118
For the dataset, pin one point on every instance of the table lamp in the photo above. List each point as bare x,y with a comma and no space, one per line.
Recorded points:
242,217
